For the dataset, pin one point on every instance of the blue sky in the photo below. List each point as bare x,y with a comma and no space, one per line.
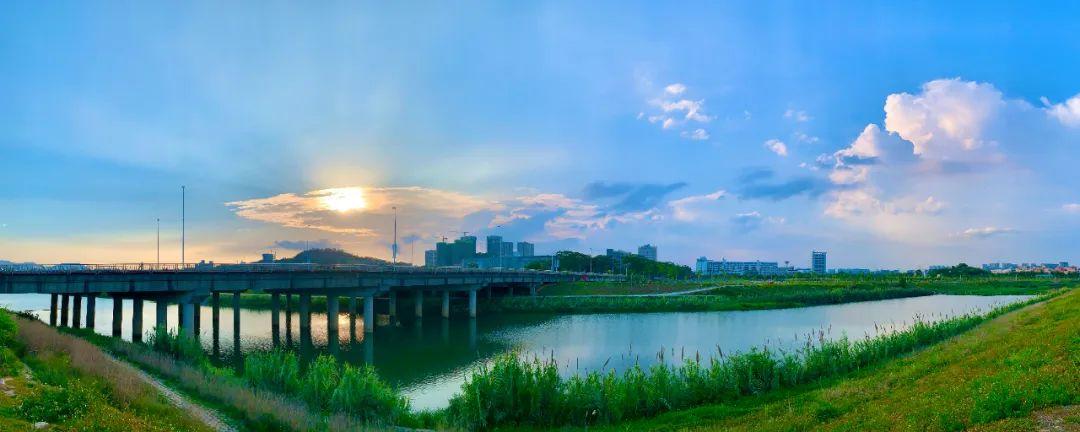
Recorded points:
890,135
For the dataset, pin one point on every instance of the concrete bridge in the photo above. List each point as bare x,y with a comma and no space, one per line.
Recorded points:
189,285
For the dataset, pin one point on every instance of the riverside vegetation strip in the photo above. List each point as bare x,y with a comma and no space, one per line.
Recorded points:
1007,374
66,383
751,294
276,393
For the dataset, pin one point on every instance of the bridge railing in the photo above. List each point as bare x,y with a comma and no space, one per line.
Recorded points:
69,268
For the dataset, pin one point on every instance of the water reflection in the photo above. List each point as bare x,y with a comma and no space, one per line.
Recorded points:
429,357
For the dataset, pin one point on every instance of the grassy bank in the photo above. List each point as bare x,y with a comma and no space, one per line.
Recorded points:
70,384
751,294
513,392
727,298
1005,375
272,394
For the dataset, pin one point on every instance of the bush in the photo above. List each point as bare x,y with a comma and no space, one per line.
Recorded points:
275,370
362,394
177,344
56,405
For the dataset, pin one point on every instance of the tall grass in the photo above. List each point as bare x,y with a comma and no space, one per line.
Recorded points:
328,386
512,391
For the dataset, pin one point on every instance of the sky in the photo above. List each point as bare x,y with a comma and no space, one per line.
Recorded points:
892,135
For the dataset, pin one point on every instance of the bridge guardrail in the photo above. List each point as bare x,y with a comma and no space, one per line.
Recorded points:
69,268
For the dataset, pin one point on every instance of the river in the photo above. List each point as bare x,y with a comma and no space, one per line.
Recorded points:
428,359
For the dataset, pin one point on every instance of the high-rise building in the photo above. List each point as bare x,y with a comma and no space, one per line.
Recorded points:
506,249
526,249
707,267
647,251
431,258
817,262
464,247
494,245
444,254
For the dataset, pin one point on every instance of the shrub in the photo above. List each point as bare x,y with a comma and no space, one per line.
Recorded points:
362,394
56,405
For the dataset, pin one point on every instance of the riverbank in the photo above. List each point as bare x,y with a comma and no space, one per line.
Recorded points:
60,381
1007,374
758,294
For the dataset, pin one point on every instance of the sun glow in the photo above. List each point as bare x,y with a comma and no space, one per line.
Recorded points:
344,199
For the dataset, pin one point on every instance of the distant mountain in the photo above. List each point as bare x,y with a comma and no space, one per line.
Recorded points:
332,256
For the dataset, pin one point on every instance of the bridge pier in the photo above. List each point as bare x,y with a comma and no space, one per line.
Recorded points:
187,317
532,290
91,311
305,321
215,316
352,318
236,321
369,313
53,300
418,303
117,316
64,301
161,316
275,317
76,315
488,292
197,319
393,306
446,304
136,319
288,319
333,306
472,303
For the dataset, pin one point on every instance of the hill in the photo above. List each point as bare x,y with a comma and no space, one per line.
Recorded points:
332,256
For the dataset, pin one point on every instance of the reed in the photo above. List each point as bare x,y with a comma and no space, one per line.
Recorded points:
514,391
328,387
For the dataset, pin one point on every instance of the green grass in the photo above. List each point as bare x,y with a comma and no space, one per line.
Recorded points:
751,294
994,377
70,384
513,392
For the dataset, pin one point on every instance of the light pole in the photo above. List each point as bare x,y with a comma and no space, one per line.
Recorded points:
159,242
183,222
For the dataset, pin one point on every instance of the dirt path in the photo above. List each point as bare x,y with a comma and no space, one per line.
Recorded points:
208,416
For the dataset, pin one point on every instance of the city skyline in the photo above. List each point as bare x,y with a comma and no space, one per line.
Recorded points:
729,133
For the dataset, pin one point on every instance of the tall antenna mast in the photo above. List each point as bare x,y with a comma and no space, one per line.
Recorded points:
183,221
394,248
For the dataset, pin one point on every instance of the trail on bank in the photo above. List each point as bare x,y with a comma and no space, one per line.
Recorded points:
209,417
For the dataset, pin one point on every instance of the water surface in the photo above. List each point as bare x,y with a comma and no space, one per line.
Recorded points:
429,358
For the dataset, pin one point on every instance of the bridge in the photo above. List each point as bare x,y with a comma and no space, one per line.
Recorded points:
189,285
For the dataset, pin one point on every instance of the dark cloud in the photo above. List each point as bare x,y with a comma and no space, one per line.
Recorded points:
630,197
600,190
306,244
760,183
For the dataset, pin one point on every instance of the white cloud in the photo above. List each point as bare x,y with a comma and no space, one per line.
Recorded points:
776,146
674,112
948,120
690,208
797,115
429,208
984,232
802,137
1071,207
1068,112
696,134
675,89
